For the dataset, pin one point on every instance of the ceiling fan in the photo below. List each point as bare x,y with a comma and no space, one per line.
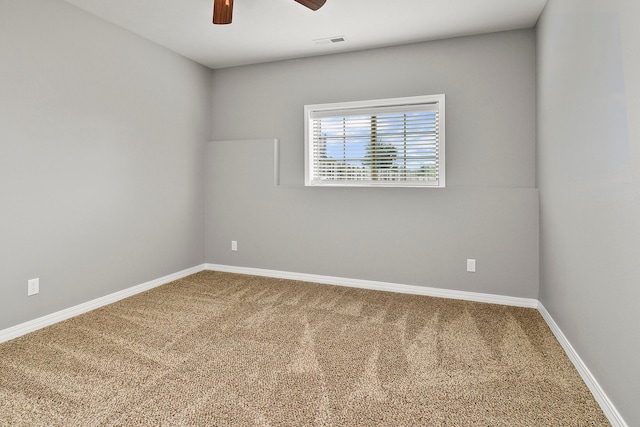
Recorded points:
223,9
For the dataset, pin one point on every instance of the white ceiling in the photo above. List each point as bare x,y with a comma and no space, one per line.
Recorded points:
269,30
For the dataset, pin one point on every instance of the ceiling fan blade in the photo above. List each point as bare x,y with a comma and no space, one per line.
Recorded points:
312,4
222,11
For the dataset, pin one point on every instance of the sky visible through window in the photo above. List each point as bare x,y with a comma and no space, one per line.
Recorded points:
404,144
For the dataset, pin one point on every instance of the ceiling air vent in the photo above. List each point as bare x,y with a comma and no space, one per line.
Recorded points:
330,40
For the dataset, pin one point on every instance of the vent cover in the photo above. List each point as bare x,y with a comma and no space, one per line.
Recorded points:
330,40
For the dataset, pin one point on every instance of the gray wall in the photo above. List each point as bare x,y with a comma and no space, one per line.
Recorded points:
588,169
489,210
101,141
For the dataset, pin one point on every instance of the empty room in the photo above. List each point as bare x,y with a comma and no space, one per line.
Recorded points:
319,212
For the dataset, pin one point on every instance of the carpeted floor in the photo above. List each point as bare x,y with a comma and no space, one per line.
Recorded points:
224,349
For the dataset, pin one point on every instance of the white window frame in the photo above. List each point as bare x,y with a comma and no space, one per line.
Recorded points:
311,111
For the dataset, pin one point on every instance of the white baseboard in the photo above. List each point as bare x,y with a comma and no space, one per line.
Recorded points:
607,406
379,286
50,319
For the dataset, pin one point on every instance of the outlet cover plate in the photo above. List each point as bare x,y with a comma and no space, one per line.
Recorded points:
471,265
33,287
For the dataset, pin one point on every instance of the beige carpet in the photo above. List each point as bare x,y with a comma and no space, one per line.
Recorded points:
225,349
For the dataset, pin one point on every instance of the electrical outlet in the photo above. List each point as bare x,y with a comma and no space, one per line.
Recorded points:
471,265
234,245
33,287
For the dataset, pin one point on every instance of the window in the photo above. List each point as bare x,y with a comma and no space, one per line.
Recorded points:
390,143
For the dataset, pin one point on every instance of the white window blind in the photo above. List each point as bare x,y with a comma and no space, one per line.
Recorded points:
393,142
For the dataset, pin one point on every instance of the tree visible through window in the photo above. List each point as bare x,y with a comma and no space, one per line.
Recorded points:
396,142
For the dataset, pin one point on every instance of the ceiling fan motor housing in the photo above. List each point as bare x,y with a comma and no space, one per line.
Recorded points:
223,9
